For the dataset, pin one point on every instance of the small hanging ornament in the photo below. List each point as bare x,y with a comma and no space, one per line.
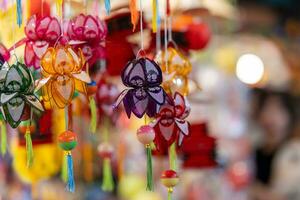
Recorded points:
62,75
41,33
106,151
88,33
170,179
68,141
145,135
176,68
145,95
91,91
170,125
106,95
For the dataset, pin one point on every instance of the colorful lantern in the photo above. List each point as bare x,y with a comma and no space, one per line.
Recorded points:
170,124
41,34
143,77
62,75
87,32
176,68
18,98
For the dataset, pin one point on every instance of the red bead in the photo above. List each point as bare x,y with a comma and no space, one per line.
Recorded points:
105,150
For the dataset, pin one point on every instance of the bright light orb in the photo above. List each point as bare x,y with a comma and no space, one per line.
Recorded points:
250,68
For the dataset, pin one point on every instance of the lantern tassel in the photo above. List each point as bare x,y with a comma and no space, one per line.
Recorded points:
154,16
134,13
149,169
29,150
70,181
19,12
107,6
170,193
173,157
3,138
59,7
93,108
64,170
108,182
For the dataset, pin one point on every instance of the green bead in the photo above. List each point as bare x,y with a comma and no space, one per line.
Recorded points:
68,146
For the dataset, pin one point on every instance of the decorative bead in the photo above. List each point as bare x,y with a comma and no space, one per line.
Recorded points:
23,127
145,134
105,150
91,88
67,140
169,178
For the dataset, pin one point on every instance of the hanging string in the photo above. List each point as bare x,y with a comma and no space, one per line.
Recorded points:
66,118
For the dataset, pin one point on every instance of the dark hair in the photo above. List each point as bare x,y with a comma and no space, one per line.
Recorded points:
262,96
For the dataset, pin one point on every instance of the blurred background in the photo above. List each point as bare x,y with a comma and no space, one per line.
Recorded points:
244,96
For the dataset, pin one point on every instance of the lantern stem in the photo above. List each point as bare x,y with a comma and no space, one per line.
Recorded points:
149,168
70,182
3,138
108,182
29,150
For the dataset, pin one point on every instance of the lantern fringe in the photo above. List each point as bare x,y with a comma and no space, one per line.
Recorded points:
134,13
154,16
29,150
93,108
19,12
107,6
64,169
108,182
173,157
149,169
3,138
70,181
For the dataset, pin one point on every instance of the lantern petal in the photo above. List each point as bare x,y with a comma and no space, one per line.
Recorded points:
47,61
33,101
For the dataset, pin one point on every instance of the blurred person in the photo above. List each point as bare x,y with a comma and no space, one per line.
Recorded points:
286,173
275,115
